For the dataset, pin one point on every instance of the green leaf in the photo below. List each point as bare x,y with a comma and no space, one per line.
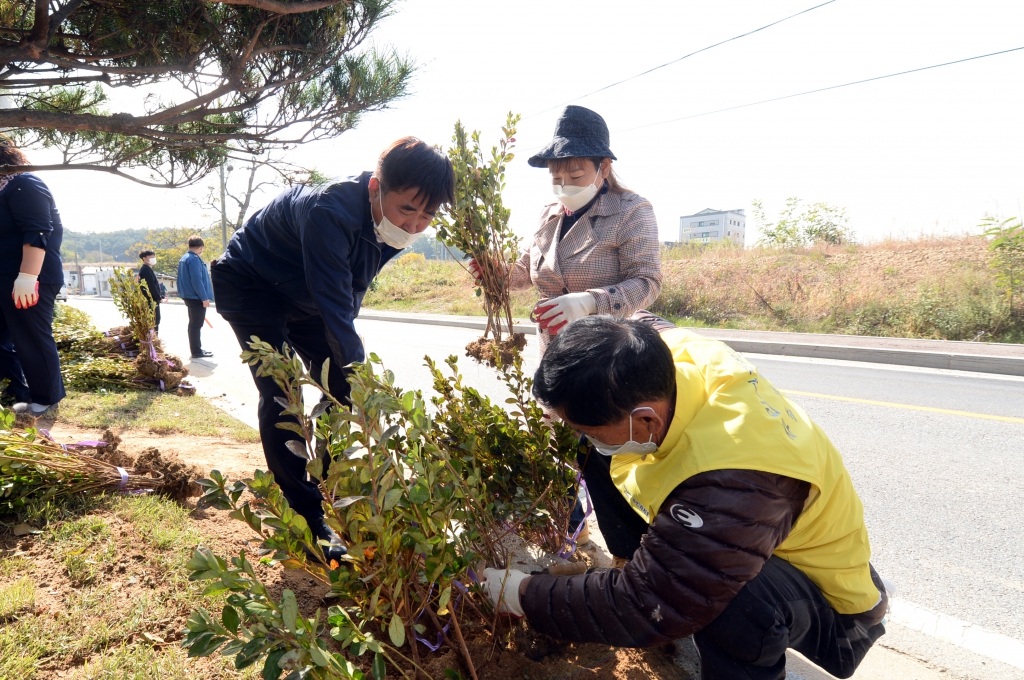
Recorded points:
419,494
325,371
446,597
289,610
379,669
271,669
391,499
230,618
318,655
396,630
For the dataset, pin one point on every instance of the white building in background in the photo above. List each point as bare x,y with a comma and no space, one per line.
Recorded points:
713,225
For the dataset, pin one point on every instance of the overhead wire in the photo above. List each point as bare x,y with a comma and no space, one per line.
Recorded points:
820,89
686,56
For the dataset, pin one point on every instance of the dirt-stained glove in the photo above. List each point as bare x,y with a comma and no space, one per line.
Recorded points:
474,269
505,600
555,313
26,290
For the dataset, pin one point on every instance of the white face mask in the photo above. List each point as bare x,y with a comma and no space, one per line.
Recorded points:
574,197
630,447
389,233
151,261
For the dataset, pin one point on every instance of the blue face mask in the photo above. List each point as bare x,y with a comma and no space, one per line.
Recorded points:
631,447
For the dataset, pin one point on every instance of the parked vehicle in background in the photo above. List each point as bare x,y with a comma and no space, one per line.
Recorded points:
62,294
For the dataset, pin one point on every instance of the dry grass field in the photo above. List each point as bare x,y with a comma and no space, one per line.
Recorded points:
929,288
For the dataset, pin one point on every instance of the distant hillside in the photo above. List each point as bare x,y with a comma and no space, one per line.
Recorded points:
101,246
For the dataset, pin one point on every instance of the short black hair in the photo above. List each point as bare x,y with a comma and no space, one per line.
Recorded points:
195,241
146,253
410,163
599,368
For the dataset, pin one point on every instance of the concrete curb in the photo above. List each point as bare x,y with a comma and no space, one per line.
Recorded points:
977,363
480,324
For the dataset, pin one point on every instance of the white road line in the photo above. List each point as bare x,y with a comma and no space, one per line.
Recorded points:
881,367
974,638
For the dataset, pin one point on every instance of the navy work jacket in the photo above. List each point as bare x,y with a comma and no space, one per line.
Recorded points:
317,249
28,214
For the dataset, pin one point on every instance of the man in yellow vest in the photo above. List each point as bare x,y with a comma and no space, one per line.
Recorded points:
737,519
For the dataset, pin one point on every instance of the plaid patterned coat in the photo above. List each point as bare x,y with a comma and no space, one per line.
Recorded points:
612,252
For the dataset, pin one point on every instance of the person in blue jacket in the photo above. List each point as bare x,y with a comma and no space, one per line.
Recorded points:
195,290
31,275
296,273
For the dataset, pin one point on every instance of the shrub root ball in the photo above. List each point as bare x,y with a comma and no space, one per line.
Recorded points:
487,351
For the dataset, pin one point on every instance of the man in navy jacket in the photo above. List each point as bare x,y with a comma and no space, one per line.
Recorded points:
296,273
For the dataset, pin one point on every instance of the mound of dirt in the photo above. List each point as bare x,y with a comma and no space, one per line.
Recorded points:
486,351
111,453
523,653
178,477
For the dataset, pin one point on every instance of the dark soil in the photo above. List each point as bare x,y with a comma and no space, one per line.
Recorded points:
486,351
520,652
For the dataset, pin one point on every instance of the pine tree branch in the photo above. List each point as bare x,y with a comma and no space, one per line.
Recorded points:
282,7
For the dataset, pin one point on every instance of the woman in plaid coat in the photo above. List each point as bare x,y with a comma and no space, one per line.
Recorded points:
596,250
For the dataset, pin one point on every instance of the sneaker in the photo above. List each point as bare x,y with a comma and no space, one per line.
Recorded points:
335,550
584,536
33,409
202,355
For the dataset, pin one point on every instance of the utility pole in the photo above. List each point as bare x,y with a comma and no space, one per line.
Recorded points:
223,211
78,267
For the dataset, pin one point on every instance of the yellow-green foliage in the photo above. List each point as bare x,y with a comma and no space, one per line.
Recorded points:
411,260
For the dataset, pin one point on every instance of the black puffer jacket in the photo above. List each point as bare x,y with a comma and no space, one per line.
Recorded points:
713,534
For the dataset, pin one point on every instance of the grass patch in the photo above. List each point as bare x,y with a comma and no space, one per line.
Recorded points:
157,412
163,525
127,596
9,566
15,597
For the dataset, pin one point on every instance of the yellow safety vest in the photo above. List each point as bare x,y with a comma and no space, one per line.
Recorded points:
728,417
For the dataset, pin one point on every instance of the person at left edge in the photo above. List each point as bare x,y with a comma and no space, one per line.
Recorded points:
296,273
30,278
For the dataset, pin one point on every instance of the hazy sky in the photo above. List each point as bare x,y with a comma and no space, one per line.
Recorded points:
929,152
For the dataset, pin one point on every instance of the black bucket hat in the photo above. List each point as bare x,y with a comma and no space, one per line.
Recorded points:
579,133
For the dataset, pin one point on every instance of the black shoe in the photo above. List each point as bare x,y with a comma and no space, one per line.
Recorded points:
202,354
335,550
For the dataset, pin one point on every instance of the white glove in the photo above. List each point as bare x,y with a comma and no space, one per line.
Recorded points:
557,312
26,290
505,600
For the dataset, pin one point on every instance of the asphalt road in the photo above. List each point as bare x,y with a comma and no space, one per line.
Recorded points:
943,493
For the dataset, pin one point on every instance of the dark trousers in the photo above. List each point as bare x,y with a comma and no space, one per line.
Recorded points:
10,367
252,308
196,317
156,318
619,524
779,609
31,334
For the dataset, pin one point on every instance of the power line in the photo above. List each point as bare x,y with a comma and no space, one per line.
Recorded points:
820,89
687,56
